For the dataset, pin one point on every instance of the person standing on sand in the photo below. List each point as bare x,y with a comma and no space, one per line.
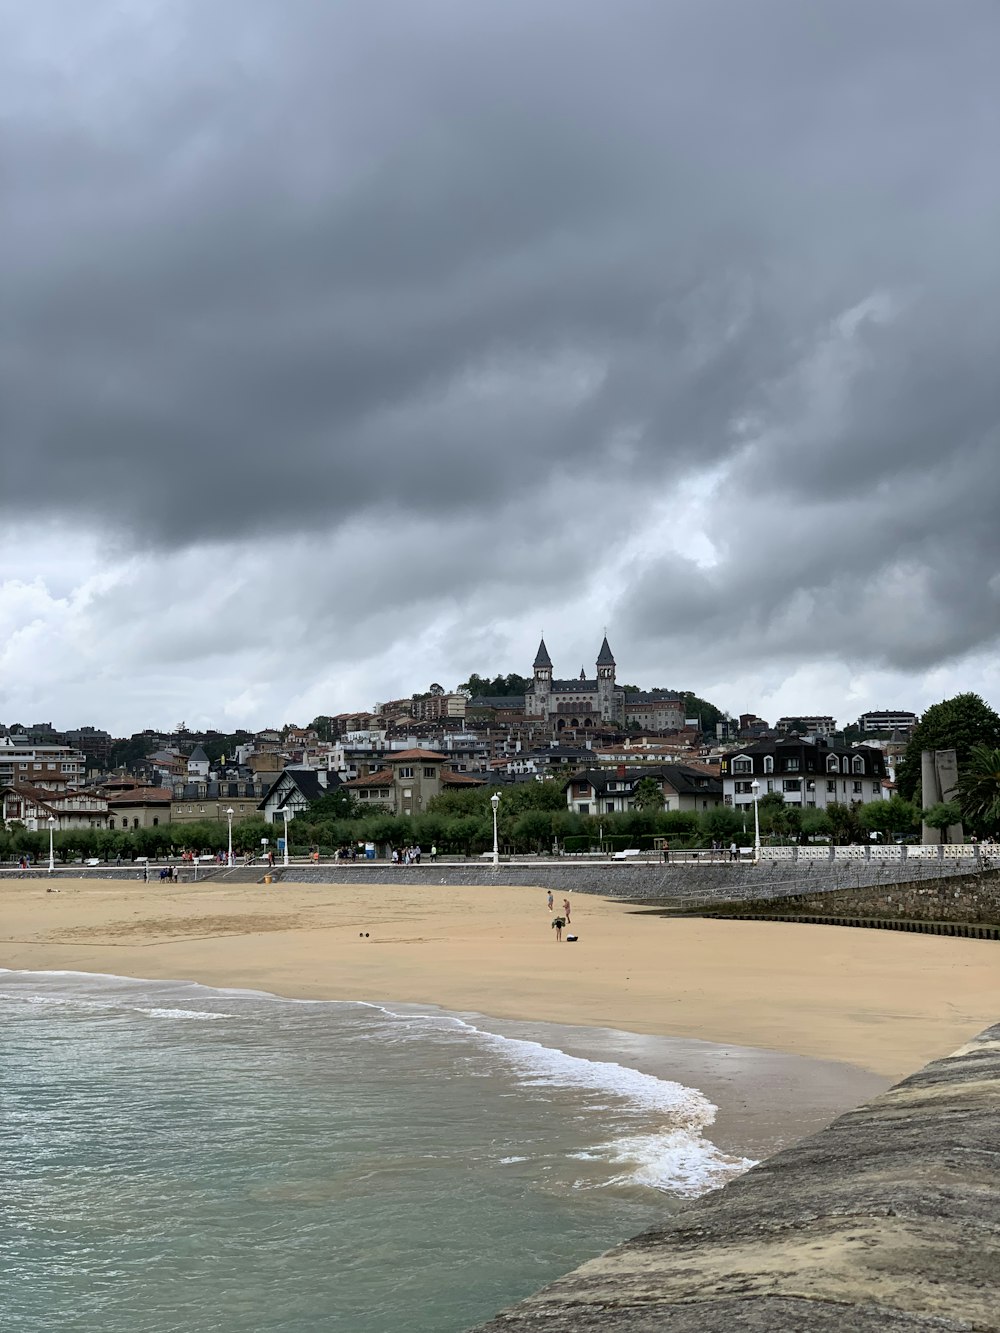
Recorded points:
566,910
557,925
550,900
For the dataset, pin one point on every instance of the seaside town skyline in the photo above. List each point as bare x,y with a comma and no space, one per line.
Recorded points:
315,389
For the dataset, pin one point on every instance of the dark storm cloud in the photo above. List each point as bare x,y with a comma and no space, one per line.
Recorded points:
289,265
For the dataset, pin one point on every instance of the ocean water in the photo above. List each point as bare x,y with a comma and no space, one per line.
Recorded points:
174,1157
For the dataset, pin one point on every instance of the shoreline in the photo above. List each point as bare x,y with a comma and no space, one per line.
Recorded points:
764,1100
781,1026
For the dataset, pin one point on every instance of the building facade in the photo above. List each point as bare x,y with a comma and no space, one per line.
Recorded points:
48,766
887,720
808,772
579,704
612,791
409,781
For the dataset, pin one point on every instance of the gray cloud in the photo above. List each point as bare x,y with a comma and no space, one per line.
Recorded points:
355,273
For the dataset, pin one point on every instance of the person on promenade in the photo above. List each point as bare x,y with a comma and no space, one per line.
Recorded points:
566,910
557,925
550,900
732,851
434,851
666,850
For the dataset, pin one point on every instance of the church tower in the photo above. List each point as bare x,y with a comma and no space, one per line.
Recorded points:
606,683
542,692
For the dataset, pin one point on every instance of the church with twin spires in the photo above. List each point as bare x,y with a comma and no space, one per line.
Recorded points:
575,704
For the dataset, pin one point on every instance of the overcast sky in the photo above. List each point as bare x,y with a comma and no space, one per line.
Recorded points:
348,347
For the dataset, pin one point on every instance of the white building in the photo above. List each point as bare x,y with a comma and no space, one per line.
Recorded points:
809,773
887,720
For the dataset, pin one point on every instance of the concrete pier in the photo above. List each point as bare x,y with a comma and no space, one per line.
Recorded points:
888,1221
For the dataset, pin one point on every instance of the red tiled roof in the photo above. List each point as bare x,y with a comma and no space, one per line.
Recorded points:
419,755
140,796
383,778
450,779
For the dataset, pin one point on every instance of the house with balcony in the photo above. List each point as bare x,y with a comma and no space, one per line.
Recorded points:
409,781
809,772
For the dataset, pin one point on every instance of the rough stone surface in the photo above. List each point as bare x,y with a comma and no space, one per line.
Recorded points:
688,884
889,1219
682,885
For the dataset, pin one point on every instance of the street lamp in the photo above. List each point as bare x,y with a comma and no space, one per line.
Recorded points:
755,788
495,801
284,816
52,824
229,815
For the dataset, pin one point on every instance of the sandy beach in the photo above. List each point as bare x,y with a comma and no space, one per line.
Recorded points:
881,1005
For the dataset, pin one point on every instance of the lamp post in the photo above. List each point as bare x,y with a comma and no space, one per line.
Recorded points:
755,788
495,801
52,825
229,859
284,816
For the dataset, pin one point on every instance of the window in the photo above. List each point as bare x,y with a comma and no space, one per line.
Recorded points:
770,784
609,807
742,765
155,820
857,788
769,763
859,764
431,772
876,788
790,764
831,786
744,788
584,808
792,784
832,764
406,772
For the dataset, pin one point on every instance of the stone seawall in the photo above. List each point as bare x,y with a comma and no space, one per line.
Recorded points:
888,1221
683,884
965,898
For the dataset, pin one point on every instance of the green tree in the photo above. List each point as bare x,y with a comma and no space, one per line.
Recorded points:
335,804
499,686
942,815
895,816
816,824
532,831
979,789
723,824
648,794
844,821
960,724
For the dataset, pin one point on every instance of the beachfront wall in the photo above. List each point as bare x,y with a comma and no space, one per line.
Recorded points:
886,1220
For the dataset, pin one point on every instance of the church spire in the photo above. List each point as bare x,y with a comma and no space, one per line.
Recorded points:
605,657
542,658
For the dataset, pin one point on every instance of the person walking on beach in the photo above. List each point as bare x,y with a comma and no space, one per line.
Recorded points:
550,900
557,925
566,910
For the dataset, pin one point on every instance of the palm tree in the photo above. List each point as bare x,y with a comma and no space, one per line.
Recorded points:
979,788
